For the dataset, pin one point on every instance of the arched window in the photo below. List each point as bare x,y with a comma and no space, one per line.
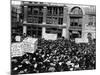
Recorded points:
76,11
76,15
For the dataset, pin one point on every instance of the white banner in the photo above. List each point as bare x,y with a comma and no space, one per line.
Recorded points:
81,40
16,50
27,45
50,36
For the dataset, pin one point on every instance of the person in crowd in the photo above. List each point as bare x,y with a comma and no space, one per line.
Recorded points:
56,56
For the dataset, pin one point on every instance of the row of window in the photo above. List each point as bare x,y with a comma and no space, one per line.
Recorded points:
35,31
55,11
54,20
76,22
54,15
51,11
35,19
36,10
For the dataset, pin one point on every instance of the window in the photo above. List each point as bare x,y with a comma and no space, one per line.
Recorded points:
54,15
35,11
49,20
30,10
76,17
30,19
55,11
34,31
35,14
60,21
76,11
55,21
76,21
49,11
61,11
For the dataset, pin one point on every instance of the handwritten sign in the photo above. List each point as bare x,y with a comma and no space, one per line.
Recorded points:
27,45
16,50
50,36
81,40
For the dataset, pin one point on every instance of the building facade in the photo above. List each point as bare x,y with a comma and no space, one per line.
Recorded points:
16,24
42,19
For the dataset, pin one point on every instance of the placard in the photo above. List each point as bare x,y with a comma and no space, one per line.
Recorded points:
27,45
50,36
16,50
81,40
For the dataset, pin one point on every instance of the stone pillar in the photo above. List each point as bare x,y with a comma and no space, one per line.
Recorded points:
84,24
18,12
43,31
66,21
25,14
24,30
44,14
64,32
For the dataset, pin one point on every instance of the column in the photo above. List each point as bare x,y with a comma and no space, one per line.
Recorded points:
24,30
84,24
44,14
25,14
65,15
44,21
43,32
66,21
64,32
18,12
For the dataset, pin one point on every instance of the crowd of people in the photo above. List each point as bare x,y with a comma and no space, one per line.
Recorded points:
56,56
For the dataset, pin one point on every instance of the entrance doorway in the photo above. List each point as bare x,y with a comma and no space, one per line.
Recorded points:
75,34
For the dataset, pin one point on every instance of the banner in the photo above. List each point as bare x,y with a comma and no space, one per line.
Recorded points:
27,45
50,36
81,40
16,50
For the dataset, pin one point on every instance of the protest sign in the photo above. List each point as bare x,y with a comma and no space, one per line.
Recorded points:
29,44
81,40
16,50
50,36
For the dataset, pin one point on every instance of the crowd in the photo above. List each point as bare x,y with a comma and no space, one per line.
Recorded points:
56,56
